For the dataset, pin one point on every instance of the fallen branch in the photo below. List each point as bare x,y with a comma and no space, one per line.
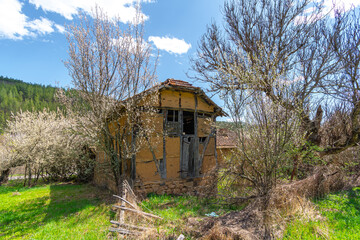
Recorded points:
137,211
125,201
129,226
124,231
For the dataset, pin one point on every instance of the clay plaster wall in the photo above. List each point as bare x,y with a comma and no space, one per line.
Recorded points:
148,179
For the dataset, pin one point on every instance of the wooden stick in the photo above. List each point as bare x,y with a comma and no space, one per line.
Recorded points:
122,212
137,211
124,231
130,191
129,226
125,201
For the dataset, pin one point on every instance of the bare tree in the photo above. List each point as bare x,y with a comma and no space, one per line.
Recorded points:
344,86
110,65
276,44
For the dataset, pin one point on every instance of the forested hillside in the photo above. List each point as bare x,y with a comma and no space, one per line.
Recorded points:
16,95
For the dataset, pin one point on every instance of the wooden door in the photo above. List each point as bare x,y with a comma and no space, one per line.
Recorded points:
187,158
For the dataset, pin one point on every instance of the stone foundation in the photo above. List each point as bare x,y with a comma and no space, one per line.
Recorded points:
191,186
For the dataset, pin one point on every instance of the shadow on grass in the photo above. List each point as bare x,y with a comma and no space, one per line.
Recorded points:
354,199
27,210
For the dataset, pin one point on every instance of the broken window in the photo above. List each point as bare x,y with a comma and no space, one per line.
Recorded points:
172,123
188,123
173,116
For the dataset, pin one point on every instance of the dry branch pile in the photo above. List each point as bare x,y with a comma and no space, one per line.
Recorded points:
285,202
131,220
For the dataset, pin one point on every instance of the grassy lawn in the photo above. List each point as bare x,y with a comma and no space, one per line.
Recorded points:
53,212
342,218
67,211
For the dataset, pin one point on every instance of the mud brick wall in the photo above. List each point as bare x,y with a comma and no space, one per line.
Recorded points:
202,186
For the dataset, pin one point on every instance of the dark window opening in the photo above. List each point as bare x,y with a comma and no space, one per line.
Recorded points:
173,116
160,111
202,139
188,122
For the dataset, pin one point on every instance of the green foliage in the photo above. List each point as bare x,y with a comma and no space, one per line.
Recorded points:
16,95
176,209
342,218
173,208
53,212
79,211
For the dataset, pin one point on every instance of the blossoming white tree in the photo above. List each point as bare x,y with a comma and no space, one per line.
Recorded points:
47,143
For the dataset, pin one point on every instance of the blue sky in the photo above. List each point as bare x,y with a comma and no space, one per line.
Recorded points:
33,45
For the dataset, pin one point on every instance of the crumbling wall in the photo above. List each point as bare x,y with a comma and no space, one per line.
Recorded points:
194,186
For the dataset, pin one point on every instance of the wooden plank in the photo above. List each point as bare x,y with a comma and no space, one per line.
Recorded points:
124,231
163,174
122,212
129,226
216,156
137,211
184,168
133,157
196,144
122,199
181,139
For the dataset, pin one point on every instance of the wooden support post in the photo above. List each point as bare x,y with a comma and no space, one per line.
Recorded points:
163,172
133,157
122,212
215,136
181,120
196,138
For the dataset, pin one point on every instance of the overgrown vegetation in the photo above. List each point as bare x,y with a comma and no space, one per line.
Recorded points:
340,218
63,211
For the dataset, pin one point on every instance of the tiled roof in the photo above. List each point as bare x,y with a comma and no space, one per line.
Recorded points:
180,83
225,138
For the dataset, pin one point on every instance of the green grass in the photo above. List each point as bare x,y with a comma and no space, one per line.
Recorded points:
175,210
53,212
69,211
342,218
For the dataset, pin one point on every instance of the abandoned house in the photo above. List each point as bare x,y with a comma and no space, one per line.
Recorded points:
185,120
226,143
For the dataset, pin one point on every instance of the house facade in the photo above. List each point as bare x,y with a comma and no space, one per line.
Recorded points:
186,146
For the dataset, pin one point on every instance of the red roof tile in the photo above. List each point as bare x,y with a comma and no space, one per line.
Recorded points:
225,138
180,83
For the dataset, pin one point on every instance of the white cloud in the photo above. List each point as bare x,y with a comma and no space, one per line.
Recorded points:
310,14
171,45
12,21
16,25
60,28
42,26
124,9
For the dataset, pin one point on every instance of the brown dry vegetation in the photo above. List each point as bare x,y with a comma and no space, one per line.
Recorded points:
285,202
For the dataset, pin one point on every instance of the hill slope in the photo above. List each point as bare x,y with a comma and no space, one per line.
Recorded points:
16,95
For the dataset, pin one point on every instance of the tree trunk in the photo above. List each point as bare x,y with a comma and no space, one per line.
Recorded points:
4,176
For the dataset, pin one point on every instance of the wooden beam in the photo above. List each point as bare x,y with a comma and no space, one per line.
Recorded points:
129,226
137,211
122,199
124,231
181,120
164,172
196,144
